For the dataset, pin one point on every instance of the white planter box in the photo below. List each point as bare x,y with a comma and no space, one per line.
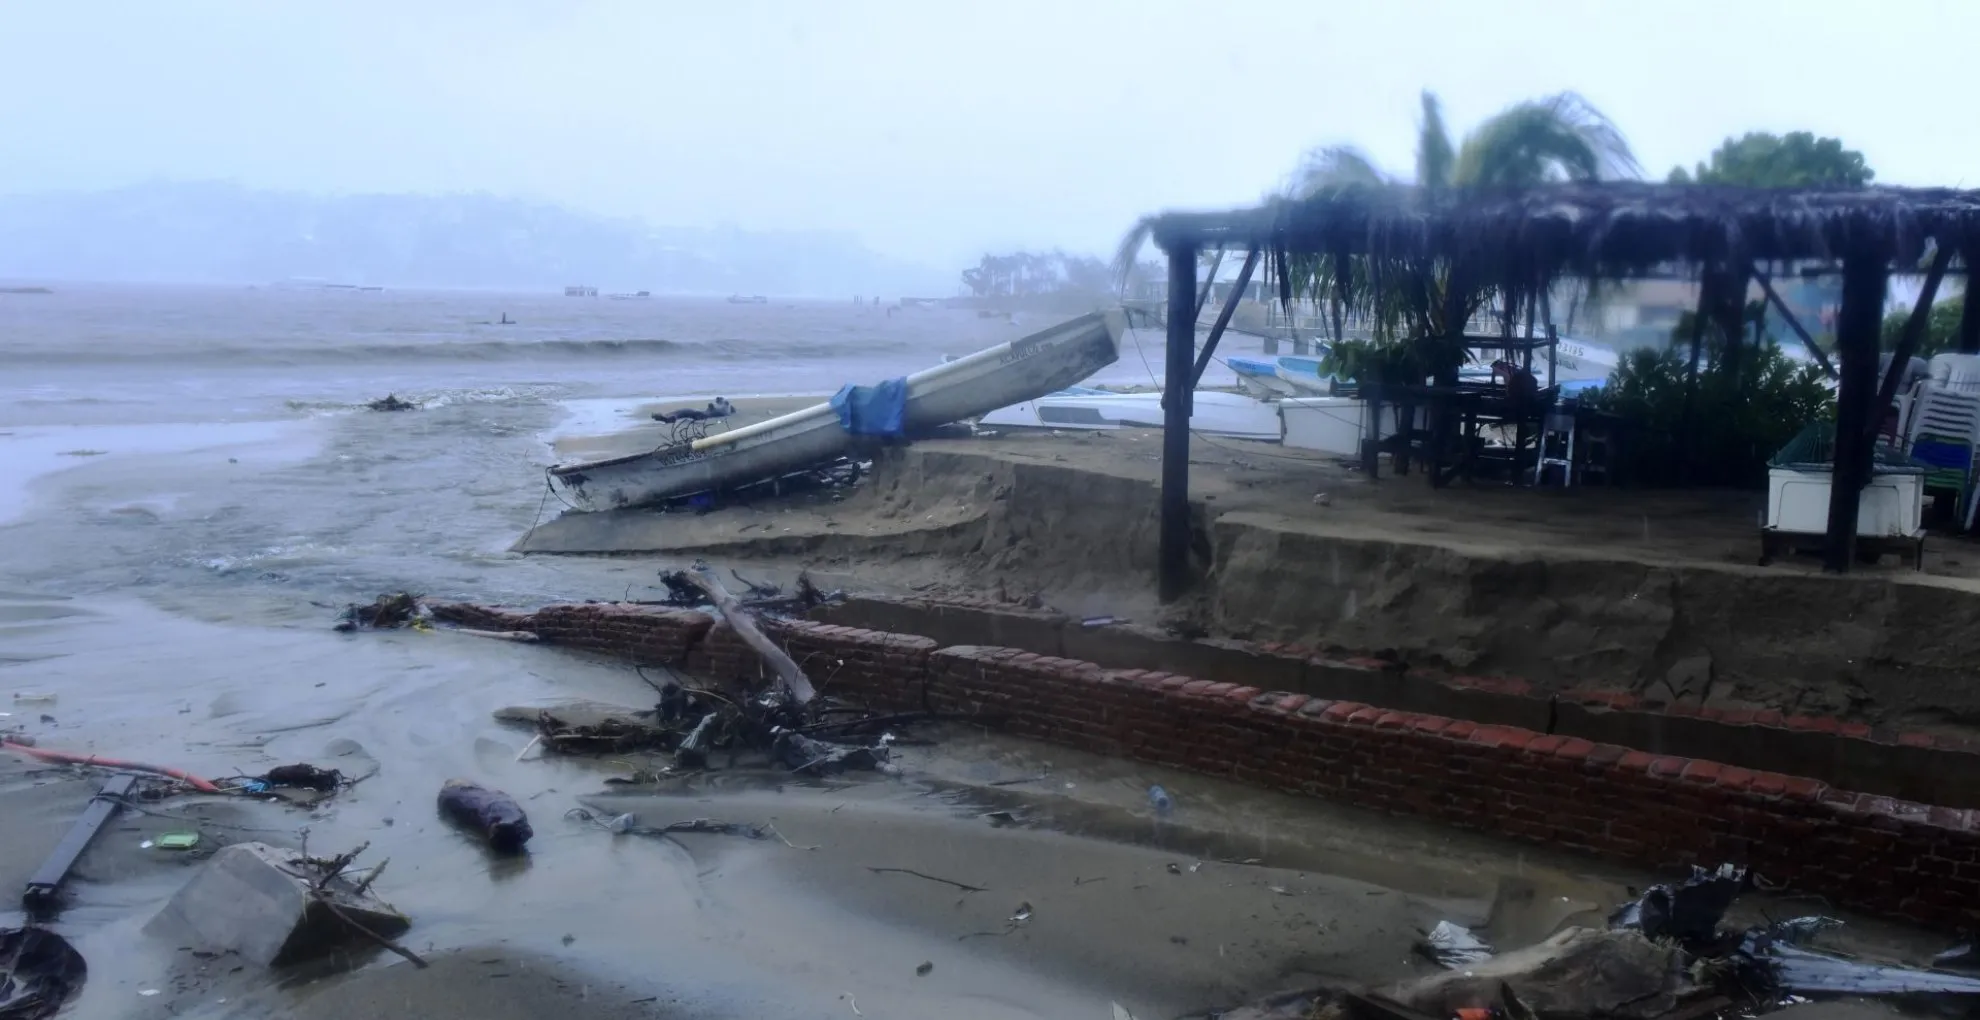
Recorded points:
1892,505
1330,424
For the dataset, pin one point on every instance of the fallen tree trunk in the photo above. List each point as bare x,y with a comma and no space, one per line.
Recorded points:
788,674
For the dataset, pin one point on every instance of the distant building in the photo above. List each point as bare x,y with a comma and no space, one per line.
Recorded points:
580,290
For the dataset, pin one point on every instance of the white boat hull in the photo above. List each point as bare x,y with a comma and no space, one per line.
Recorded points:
1232,415
964,388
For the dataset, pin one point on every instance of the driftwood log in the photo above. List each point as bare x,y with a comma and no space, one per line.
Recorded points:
788,674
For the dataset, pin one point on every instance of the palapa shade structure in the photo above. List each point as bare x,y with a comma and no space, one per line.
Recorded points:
1519,242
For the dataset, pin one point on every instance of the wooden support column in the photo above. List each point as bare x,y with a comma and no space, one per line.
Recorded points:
1969,319
1858,326
1176,400
1729,314
1223,319
1707,285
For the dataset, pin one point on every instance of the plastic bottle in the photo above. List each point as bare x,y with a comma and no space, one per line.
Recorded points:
1160,798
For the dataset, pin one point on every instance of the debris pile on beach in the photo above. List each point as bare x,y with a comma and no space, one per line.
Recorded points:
1664,956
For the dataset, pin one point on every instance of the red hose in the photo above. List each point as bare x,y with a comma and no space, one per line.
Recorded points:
67,758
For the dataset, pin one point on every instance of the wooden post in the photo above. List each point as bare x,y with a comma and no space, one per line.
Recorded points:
1707,283
1729,313
1223,319
1969,320
1176,399
1857,327
1914,331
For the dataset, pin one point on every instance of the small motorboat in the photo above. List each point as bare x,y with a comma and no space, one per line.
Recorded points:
950,392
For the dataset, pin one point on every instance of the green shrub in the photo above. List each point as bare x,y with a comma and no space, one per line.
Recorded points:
1736,425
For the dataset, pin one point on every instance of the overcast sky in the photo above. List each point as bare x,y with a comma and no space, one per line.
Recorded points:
931,128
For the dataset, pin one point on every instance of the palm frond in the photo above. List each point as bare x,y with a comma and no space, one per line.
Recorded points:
1560,136
1129,251
1333,166
1434,154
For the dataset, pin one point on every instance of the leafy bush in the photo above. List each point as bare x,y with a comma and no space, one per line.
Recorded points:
1736,425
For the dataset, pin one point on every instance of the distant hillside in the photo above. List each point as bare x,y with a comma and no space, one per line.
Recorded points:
221,233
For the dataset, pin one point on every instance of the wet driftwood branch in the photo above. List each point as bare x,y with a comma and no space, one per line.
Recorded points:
788,674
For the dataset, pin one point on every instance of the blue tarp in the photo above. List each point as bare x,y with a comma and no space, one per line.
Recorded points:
873,410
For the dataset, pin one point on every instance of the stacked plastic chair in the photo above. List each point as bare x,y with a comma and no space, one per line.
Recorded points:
1943,426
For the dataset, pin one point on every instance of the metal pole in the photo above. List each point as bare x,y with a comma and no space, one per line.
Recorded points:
1176,396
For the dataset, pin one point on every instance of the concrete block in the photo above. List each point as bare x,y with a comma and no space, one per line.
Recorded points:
255,900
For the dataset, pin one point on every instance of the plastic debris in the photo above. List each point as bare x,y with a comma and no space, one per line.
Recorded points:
1688,913
1164,804
1022,915
177,841
40,971
922,971
34,697
1769,955
1965,956
490,814
1454,946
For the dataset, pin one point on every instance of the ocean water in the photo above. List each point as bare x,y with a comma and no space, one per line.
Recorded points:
195,442
190,489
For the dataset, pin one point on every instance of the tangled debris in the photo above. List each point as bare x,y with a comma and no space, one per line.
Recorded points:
1664,956
39,973
387,612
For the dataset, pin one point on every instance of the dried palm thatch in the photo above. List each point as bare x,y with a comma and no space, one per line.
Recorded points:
1521,240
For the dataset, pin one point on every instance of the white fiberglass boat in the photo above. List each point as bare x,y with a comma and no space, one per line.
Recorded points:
953,391
1214,413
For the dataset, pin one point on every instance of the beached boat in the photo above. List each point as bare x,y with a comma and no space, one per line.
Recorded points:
953,391
1285,376
1213,413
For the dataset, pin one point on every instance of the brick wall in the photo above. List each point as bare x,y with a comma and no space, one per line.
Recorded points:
1863,850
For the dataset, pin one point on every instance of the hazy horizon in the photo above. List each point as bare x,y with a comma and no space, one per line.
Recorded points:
930,134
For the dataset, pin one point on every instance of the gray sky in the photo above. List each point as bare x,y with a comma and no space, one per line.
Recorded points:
931,128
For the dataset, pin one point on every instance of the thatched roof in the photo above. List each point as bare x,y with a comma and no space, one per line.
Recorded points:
1610,229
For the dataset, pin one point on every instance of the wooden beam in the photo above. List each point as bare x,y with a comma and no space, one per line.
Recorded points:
1969,320
1787,316
1176,394
1729,311
1209,284
1857,329
1707,287
1223,318
1914,329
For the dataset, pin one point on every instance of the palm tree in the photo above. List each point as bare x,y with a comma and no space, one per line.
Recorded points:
1553,139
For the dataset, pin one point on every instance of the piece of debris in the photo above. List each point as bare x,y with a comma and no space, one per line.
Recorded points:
46,882
391,402
1770,959
274,906
1690,912
1578,972
922,971
491,814
1965,956
39,973
176,841
304,777
1453,946
793,680
387,612
1022,914
802,754
1161,801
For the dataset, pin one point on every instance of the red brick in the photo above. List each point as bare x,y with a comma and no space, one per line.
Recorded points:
1705,772
1853,730
1289,702
1545,744
1916,739
1803,788
1734,778
1431,723
1392,720
1365,716
1666,765
1608,754
1460,729
1771,784
1768,717
1575,749
1636,761
1363,662
1342,710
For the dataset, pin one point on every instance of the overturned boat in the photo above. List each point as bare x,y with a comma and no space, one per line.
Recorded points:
1008,373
